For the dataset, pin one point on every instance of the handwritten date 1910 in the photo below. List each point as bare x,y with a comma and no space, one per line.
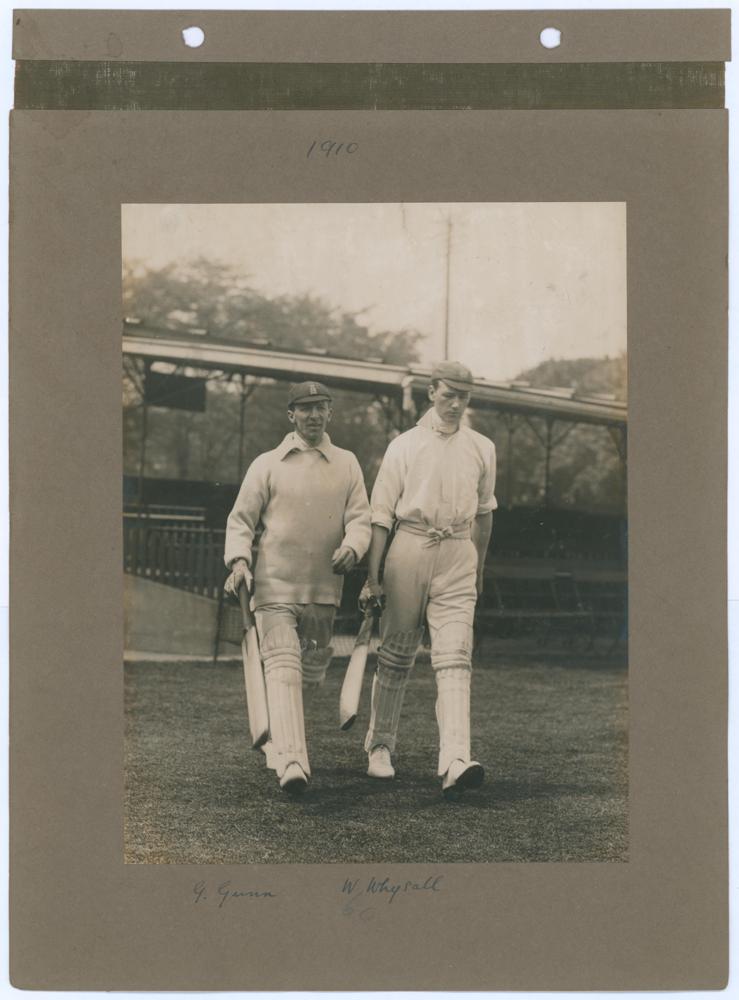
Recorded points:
329,147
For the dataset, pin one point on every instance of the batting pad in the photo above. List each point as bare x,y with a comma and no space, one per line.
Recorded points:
315,665
453,715
282,675
394,661
451,646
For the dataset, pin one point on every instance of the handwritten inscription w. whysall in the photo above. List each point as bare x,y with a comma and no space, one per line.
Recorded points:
219,893
389,888
360,895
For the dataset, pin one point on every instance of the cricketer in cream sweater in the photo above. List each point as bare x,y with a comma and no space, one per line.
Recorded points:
309,498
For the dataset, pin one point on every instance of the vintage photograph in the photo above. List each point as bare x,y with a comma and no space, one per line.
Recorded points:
375,532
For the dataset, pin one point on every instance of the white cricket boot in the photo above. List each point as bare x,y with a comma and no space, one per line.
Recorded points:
294,780
380,763
460,775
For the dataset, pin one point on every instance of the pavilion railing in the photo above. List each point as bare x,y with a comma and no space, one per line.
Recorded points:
188,558
541,597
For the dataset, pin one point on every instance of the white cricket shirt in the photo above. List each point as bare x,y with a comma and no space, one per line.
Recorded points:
435,479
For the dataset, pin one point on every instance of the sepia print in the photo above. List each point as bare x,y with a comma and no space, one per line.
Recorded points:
401,429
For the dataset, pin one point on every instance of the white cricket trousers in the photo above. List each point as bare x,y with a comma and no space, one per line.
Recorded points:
430,579
294,643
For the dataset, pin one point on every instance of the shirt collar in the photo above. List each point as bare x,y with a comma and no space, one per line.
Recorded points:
432,422
294,442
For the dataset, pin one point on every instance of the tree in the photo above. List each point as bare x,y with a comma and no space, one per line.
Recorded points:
584,375
214,296
210,295
586,472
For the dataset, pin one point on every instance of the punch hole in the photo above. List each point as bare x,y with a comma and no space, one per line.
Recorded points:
193,36
550,38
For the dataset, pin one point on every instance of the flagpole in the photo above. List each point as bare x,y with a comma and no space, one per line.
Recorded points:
448,268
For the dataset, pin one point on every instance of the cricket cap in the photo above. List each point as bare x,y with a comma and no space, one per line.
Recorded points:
308,392
454,374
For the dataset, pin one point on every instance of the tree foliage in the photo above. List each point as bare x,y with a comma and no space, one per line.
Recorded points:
586,472
211,445
213,296
587,376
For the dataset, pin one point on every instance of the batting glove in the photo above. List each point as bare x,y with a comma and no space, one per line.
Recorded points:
372,597
240,574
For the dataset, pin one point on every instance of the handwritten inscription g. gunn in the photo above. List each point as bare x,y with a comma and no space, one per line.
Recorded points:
224,891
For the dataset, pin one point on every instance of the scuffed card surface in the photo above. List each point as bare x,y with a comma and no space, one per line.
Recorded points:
448,110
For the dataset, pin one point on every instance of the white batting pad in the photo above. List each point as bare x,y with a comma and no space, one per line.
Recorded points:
394,661
453,715
315,665
282,675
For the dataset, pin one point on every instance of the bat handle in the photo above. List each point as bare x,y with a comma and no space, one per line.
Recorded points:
374,611
246,614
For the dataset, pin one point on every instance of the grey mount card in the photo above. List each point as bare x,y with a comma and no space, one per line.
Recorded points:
491,265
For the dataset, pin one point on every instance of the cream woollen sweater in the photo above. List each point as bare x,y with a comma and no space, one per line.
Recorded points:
309,501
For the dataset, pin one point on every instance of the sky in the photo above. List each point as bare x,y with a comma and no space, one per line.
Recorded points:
527,281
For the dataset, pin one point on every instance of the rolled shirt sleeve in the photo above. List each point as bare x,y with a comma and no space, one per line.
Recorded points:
388,486
243,520
486,501
357,529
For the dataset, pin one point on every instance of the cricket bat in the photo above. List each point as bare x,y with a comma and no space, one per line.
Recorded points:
351,689
256,695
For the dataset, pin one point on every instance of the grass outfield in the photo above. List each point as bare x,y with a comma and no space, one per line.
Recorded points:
552,737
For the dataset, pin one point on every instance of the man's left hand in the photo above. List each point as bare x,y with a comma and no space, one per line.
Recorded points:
343,560
479,584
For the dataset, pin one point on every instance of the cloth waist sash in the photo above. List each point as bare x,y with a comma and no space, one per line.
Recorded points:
435,536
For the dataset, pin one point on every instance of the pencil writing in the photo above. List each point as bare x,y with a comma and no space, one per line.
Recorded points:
329,147
388,889
224,891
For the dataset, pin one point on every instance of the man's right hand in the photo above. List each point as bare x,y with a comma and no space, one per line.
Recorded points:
371,591
240,574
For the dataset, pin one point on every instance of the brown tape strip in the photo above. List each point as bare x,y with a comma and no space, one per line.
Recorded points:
143,86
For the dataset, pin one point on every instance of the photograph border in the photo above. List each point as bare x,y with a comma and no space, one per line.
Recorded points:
527,284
